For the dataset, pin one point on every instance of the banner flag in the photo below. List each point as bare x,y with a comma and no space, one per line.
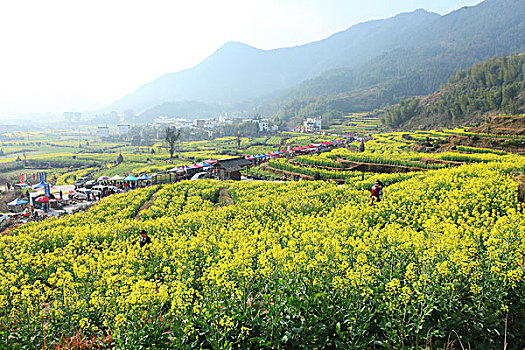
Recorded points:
46,190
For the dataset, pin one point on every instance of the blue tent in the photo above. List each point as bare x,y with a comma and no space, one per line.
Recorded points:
130,178
145,177
41,184
17,201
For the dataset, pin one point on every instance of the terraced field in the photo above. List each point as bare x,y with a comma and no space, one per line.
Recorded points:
278,265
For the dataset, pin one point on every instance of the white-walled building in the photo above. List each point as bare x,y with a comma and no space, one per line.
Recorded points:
72,116
123,129
162,122
263,124
312,124
103,132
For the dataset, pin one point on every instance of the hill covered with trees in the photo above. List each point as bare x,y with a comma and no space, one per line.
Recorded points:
435,52
496,85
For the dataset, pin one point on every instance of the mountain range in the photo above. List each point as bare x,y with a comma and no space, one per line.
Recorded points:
369,65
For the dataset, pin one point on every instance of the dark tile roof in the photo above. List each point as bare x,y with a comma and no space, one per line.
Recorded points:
232,164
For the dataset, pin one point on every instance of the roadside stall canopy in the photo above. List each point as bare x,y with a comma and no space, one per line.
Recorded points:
145,177
249,157
117,178
210,161
42,199
51,190
39,185
195,166
185,167
41,188
17,202
130,178
102,178
204,164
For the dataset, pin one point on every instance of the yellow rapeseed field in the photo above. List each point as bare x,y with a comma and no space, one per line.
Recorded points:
288,265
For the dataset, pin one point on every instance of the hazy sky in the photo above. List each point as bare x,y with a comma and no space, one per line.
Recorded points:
75,55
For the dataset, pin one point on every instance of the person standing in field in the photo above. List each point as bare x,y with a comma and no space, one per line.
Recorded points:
376,192
144,238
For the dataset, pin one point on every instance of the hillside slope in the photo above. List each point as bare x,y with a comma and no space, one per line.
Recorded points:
455,41
494,86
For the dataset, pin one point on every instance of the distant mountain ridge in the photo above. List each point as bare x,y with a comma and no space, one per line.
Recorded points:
369,65
237,71
454,41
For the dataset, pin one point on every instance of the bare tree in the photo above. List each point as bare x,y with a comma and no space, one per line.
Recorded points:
171,137
238,139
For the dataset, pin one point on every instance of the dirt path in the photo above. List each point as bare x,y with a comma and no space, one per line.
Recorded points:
224,197
147,203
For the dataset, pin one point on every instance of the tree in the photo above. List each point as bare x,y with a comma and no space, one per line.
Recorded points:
238,140
171,137
362,146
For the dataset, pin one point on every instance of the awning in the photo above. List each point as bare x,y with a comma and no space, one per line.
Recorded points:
17,201
42,199
38,185
130,178
116,178
102,178
145,177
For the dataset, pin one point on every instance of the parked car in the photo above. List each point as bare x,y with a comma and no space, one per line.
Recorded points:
198,176
20,186
101,189
82,194
81,181
90,184
4,217
98,189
